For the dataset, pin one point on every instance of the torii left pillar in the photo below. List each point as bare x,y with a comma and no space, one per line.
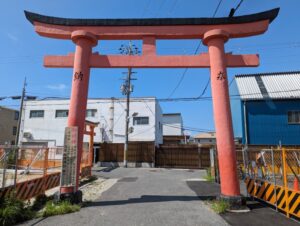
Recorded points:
84,41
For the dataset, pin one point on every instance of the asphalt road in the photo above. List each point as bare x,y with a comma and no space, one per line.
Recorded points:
145,197
162,197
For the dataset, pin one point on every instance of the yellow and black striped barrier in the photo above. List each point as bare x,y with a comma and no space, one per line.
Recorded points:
283,198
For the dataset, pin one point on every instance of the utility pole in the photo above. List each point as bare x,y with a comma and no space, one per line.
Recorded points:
126,89
18,131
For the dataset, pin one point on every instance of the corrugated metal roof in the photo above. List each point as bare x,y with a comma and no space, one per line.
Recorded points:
281,85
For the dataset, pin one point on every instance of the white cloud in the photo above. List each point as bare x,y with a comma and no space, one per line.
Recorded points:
59,87
12,37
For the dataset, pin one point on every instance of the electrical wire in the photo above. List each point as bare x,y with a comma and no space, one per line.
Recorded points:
189,129
216,10
180,99
186,69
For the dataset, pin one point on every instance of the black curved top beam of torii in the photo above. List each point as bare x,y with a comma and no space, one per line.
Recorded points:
267,15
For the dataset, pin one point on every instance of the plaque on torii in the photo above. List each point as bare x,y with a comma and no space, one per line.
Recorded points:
214,32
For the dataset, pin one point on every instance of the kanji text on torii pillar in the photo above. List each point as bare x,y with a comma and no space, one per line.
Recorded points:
213,31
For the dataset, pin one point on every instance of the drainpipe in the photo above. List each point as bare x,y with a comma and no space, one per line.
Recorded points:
245,124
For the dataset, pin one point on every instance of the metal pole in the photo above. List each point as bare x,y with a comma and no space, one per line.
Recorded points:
46,153
212,162
285,181
274,178
94,160
245,161
245,123
18,132
4,167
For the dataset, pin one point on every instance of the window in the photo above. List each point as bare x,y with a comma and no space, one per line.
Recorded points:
14,130
91,112
16,115
61,113
294,117
36,114
140,120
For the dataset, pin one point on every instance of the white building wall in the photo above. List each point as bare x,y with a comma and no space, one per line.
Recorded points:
49,128
172,125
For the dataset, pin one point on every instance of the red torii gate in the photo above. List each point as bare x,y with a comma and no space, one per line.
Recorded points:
214,32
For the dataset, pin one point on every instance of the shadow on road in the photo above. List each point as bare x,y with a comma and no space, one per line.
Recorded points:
145,199
204,189
107,169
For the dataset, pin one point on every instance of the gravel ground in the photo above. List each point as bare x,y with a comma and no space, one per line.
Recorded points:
93,190
142,197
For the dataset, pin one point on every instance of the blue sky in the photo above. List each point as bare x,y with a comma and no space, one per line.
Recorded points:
22,50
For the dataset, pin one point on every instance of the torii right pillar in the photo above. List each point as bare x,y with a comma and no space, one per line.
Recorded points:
230,188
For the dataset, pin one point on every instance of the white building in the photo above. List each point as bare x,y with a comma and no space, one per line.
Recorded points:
44,121
172,124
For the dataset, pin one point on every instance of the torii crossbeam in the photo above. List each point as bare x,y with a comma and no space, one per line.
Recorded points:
214,32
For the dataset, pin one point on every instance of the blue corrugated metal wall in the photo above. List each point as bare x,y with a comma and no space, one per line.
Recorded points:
267,122
235,104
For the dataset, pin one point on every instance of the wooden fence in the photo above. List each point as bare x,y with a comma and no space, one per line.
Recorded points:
137,152
169,156
182,156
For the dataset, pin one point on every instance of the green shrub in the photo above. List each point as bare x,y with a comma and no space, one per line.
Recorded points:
39,202
13,210
11,158
208,176
63,207
220,206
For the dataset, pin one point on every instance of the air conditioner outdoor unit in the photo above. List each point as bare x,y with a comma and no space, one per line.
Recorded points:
27,135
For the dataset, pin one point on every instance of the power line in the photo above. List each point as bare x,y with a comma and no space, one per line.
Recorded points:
189,129
218,6
178,99
186,69
205,88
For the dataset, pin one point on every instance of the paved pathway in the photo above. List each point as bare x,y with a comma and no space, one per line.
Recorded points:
143,197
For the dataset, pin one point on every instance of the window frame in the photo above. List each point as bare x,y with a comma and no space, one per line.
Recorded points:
134,120
16,116
35,111
293,114
14,133
60,111
94,113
